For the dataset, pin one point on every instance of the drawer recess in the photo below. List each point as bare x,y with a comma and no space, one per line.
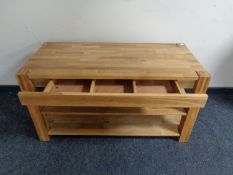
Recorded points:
113,86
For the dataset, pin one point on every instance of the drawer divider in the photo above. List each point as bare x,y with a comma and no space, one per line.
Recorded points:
49,86
176,86
92,88
134,86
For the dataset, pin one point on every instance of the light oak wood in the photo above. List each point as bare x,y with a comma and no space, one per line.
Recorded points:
202,84
54,110
114,125
186,84
25,83
49,86
112,99
126,86
92,88
39,123
187,122
113,86
113,61
152,86
134,86
71,86
155,74
177,87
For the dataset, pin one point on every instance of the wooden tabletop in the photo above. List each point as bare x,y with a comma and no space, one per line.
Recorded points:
113,61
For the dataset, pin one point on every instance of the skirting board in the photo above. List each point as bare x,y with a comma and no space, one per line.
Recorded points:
211,90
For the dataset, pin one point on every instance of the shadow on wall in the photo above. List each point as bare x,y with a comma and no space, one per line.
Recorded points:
13,62
223,75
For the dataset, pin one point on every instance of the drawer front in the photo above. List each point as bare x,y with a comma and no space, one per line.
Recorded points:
113,94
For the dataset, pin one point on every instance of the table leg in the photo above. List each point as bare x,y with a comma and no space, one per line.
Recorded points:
188,121
39,123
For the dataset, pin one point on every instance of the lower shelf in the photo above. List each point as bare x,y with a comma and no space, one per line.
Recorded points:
114,125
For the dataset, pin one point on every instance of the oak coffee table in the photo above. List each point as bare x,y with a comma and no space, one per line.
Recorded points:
113,89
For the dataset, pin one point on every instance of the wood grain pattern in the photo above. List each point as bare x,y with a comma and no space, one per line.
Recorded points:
187,122
54,110
92,88
71,86
109,99
177,87
118,89
113,86
113,61
152,86
38,121
134,86
114,125
49,86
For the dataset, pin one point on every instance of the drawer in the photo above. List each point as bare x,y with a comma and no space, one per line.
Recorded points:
113,93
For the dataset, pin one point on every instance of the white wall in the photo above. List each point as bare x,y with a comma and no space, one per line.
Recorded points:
206,26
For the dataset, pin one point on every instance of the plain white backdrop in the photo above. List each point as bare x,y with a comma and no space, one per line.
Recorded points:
205,26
